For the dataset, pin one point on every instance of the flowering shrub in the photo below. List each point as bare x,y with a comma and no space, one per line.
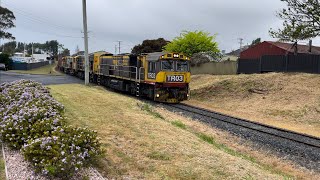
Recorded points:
32,120
23,104
67,150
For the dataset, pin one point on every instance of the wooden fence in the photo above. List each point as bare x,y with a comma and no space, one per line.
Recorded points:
215,68
28,66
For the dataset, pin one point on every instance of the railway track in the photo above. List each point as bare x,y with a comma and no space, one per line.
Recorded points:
301,148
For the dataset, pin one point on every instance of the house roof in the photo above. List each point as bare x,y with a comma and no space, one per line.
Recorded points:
302,49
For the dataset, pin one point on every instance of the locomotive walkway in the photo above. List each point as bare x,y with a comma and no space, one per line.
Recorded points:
300,148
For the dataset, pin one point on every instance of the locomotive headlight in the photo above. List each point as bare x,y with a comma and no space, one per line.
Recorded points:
157,95
176,55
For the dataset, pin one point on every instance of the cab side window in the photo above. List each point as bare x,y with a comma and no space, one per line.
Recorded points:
151,70
152,67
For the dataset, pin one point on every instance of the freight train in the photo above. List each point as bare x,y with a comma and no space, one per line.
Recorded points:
160,76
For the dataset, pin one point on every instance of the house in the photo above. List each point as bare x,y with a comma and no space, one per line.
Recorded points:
237,52
277,48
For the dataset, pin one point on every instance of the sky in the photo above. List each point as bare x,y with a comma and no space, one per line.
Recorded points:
132,21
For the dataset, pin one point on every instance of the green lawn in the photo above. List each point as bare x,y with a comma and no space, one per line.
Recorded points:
45,70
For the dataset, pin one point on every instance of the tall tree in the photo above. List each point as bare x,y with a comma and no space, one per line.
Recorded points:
51,47
149,46
9,47
301,20
65,52
256,41
6,22
191,43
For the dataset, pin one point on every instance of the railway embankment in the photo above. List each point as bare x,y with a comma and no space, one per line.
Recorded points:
286,100
149,142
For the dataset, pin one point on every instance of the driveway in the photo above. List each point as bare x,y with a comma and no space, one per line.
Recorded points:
44,79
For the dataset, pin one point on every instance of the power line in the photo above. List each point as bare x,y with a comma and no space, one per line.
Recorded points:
38,19
51,33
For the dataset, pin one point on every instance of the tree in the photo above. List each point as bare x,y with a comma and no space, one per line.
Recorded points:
301,20
149,46
65,52
256,41
6,22
5,59
9,47
190,43
77,49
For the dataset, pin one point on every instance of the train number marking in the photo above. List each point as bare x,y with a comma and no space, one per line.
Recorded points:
175,78
151,75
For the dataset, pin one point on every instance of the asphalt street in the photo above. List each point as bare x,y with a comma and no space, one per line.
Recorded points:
44,79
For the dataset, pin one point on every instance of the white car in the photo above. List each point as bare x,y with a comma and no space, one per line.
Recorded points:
3,67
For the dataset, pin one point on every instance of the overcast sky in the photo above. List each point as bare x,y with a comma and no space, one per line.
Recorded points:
132,21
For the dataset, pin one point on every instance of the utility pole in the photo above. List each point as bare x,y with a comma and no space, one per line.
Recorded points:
240,42
115,49
119,46
32,50
24,49
85,31
0,37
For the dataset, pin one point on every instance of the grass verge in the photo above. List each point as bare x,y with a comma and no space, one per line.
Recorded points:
45,70
143,143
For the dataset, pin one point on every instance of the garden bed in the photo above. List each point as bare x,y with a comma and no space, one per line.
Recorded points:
33,122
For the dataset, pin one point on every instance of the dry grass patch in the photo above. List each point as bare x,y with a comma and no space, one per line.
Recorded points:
245,150
45,70
144,143
289,101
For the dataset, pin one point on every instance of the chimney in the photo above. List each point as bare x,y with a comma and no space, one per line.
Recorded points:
310,45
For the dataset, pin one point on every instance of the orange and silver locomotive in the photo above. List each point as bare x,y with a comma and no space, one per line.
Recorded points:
161,76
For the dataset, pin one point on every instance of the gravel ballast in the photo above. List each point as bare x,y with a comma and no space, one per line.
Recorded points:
19,169
304,155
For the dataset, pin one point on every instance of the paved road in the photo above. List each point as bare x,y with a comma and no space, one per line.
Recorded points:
44,79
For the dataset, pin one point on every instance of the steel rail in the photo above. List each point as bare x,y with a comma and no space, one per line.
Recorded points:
256,126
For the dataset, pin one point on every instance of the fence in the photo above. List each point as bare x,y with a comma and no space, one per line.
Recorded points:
221,68
289,63
28,66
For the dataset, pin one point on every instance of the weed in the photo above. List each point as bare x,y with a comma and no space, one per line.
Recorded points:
179,124
248,177
232,152
158,156
85,178
206,138
149,109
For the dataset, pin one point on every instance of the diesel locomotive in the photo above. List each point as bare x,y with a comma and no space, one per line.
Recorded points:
160,76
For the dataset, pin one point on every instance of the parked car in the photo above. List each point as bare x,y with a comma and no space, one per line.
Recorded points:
3,67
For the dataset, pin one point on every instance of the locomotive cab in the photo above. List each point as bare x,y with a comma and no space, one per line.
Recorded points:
170,74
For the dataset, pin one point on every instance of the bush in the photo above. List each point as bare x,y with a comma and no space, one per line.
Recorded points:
32,120
25,104
65,152
5,59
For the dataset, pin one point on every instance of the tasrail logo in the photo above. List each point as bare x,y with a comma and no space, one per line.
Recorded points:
175,78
